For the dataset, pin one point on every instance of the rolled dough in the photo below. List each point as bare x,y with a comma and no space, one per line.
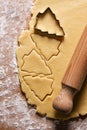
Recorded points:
45,50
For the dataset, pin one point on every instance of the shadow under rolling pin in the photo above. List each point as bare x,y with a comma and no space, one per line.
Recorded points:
74,77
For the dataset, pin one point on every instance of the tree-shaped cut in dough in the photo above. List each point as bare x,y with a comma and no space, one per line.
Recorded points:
47,23
47,46
43,84
48,34
33,63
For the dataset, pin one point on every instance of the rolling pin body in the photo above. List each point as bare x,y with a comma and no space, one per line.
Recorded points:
77,69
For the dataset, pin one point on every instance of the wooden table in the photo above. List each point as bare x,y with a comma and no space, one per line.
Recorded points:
15,113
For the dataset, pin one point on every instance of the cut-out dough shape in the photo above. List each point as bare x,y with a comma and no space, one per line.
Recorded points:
33,63
72,16
48,48
54,27
43,84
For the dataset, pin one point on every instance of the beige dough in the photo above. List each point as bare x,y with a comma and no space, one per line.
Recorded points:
45,50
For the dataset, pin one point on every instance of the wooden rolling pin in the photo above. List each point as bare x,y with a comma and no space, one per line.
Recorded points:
74,77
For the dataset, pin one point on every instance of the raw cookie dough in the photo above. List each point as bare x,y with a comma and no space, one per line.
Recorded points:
45,50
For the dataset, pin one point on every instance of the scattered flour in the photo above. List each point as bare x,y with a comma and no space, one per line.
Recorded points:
14,111
2,73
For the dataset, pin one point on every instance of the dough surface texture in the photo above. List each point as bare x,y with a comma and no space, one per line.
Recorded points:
45,50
